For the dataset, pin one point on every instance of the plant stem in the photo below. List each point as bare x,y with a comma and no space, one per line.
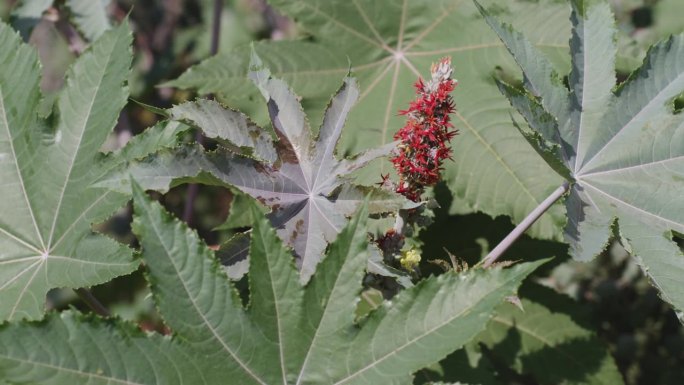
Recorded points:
199,138
191,193
400,221
216,27
90,300
525,224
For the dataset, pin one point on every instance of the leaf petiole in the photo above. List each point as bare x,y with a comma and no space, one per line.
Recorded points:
89,298
525,224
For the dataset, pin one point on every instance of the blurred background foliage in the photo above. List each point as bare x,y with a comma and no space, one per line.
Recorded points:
612,297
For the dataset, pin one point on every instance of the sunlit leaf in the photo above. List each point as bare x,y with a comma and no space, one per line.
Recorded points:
389,44
307,188
288,333
89,17
623,147
46,166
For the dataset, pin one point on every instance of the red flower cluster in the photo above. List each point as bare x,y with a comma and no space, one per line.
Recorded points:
426,135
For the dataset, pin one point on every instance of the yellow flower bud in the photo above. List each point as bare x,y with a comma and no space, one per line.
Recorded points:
410,259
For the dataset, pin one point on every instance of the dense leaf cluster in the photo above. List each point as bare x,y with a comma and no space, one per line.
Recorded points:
310,301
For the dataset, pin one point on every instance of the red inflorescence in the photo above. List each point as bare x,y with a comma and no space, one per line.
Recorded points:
426,135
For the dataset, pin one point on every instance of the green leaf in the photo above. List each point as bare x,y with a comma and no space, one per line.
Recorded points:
390,43
301,331
634,41
240,214
161,135
545,134
407,335
665,20
100,352
298,177
377,265
468,365
549,342
194,295
289,333
626,150
231,127
540,77
48,164
234,255
239,26
46,168
545,341
89,16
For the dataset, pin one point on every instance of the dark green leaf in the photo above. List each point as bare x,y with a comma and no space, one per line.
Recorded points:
288,334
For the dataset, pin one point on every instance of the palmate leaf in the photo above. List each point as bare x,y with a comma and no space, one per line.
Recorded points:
623,149
288,333
46,210
298,177
389,44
